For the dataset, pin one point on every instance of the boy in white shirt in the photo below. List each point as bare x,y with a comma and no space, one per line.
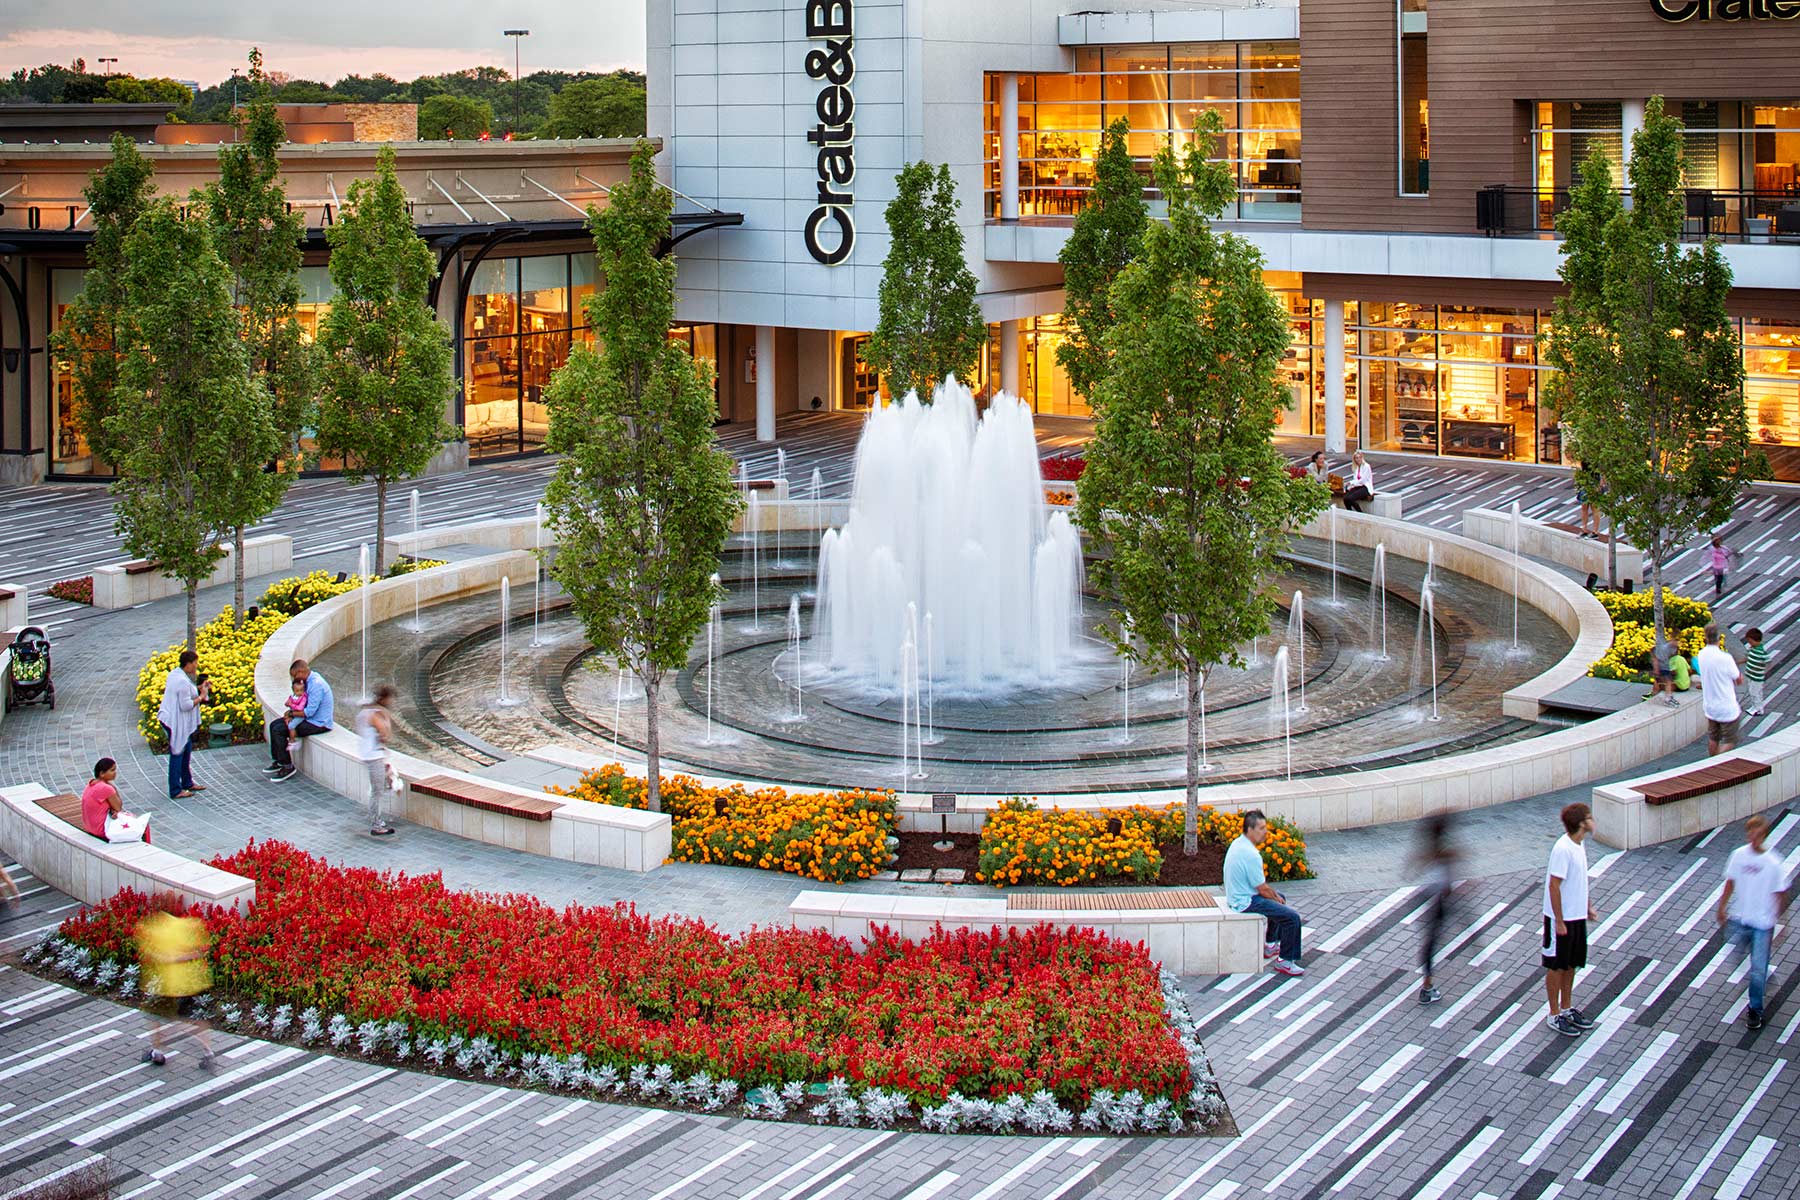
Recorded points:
1754,899
1567,912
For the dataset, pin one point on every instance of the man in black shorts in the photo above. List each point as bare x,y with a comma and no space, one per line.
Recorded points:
1567,911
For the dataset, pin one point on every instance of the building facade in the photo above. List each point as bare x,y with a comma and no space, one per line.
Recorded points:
1400,169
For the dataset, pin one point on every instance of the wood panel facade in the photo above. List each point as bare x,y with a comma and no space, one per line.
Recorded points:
1487,65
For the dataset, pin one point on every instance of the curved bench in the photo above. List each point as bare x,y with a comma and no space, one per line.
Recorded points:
70,859
1185,929
1699,795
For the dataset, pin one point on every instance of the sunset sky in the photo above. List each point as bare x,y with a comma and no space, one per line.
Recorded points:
321,39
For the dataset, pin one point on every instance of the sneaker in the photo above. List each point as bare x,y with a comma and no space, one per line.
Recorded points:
1271,950
1561,1024
1672,702
381,830
285,774
271,768
209,1062
1756,1018
154,1057
1430,995
1578,1018
1283,966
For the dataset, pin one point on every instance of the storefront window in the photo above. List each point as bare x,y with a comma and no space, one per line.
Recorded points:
316,291
521,317
1045,384
69,451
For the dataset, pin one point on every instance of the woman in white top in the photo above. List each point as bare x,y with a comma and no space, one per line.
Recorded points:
1361,484
184,691
374,725
1316,468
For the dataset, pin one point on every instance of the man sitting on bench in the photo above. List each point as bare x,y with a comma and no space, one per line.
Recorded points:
314,718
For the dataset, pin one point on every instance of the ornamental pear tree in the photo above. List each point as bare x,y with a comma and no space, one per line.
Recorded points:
1649,372
930,325
385,355
88,338
1108,232
259,238
643,499
1185,495
187,409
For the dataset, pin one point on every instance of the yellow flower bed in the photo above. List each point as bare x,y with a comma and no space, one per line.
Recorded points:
1634,631
1024,844
830,836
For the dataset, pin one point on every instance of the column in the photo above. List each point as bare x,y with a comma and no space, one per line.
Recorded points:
1632,120
765,383
1334,377
1009,147
1009,357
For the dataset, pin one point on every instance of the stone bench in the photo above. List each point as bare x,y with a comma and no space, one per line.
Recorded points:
127,584
1553,541
14,608
1185,929
1699,796
39,829
485,798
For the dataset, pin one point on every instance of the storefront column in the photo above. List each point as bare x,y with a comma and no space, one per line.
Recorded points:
1632,120
1009,357
765,383
1334,377
1009,150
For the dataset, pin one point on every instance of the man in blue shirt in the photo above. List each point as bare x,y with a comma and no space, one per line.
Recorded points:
314,718
1247,890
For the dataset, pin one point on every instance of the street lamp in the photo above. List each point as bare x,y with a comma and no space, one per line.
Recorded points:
103,67
234,79
516,35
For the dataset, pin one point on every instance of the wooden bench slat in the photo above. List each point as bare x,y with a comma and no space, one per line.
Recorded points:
1702,780
65,807
139,567
487,799
1150,898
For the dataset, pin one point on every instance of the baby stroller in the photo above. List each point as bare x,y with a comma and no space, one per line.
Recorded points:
31,682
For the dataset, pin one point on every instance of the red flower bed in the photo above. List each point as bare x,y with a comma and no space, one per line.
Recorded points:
1064,468
79,591
984,1014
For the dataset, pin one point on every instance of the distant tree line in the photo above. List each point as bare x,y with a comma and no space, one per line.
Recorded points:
461,104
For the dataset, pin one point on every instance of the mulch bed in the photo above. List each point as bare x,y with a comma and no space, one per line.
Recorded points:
918,851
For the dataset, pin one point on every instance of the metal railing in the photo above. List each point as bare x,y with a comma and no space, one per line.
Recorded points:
1502,210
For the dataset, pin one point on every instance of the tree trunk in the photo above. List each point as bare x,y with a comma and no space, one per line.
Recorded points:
381,488
237,578
652,747
1190,830
1656,593
1612,555
193,614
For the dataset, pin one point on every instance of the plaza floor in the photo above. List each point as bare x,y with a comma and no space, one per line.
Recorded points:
1341,1083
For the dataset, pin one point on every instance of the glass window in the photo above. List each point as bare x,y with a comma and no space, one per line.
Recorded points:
544,293
69,452
316,291
1415,99
1204,56
584,273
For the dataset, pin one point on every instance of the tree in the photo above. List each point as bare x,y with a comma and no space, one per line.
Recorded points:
930,325
446,116
386,357
88,340
1184,487
186,406
1108,233
605,107
259,238
1650,374
643,500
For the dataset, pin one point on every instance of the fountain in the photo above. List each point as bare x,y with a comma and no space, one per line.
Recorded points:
793,634
818,488
537,580
505,622
1125,692
1378,601
755,519
362,574
1516,522
1427,636
947,516
1331,523
931,736
1296,638
712,636
417,625
1278,707
781,464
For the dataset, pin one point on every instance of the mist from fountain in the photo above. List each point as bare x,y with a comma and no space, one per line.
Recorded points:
1296,640
1425,645
755,520
793,634
712,638
1378,602
947,516
1278,708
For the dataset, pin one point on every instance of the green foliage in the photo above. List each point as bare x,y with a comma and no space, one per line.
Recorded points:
1650,375
607,107
1108,232
88,340
452,117
1185,492
643,499
126,89
930,326
187,410
386,368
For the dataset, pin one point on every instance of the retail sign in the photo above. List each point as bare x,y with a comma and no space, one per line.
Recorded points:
834,65
1676,11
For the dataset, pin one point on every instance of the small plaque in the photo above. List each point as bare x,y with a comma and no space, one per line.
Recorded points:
943,802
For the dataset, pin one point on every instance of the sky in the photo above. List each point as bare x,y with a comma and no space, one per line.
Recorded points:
202,40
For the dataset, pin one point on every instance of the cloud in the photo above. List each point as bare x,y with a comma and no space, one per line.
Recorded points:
189,39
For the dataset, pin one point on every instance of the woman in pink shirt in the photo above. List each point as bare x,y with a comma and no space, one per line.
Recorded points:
1720,556
103,813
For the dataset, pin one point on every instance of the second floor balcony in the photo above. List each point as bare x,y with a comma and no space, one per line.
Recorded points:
1767,216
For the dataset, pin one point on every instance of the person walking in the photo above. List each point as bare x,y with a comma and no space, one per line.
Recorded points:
1753,900
1720,557
315,718
172,951
1719,677
374,726
1360,487
1247,890
1567,911
1438,857
184,691
1756,669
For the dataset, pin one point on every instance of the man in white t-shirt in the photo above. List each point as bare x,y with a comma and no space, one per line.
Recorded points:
1567,911
1755,896
1719,677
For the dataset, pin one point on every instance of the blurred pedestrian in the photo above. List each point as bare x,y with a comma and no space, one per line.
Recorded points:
1753,900
374,726
1719,676
173,952
1438,859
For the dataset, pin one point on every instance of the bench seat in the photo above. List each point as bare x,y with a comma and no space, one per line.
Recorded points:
1148,898
1712,778
65,807
139,566
487,799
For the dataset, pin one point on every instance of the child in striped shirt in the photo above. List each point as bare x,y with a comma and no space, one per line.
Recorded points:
1756,668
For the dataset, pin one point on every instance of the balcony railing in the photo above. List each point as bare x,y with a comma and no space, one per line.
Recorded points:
1731,216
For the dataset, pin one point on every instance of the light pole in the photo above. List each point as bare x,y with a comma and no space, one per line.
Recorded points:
234,79
104,69
516,35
